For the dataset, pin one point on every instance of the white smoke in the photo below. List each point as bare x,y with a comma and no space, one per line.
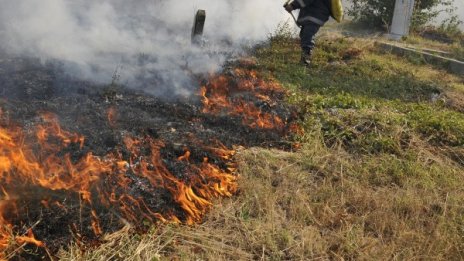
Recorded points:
148,40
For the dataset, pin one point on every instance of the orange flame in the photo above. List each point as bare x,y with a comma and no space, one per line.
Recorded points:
111,115
222,95
29,239
38,164
184,157
41,159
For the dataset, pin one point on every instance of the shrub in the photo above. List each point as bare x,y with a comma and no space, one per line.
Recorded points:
379,13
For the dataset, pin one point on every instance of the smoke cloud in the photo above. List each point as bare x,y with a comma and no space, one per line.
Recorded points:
146,44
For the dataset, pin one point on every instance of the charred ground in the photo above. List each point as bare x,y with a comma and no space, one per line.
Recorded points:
105,116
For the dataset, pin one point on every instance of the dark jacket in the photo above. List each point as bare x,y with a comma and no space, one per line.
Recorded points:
316,11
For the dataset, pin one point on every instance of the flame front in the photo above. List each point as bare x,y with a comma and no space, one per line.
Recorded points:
41,160
50,167
223,95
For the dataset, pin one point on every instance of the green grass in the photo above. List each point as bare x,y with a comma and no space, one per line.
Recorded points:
454,48
368,101
379,175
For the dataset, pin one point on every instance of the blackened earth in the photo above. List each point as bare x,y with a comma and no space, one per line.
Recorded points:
29,88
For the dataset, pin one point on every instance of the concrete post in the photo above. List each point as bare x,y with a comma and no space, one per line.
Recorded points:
401,19
198,25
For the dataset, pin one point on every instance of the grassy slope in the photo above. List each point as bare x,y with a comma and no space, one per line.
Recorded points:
455,50
379,175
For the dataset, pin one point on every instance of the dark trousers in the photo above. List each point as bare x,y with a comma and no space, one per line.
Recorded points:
307,34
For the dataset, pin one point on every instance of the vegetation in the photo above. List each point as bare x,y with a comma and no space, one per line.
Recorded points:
378,176
380,13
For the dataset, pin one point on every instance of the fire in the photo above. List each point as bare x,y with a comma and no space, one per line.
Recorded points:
185,157
29,239
222,95
194,198
42,160
111,115
50,169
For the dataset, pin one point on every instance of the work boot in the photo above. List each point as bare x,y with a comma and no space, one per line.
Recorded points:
306,58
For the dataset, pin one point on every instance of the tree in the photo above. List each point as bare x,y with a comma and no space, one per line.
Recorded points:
379,13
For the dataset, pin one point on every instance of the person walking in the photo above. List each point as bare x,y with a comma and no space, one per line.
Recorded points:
313,15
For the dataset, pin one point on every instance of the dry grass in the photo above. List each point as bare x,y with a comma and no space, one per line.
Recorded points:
317,203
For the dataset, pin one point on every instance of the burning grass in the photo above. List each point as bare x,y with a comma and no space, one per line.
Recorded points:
57,184
100,183
217,98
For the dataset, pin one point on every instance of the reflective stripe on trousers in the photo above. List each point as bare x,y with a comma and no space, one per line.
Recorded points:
310,19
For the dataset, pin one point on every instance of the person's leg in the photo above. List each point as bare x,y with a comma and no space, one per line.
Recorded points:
307,41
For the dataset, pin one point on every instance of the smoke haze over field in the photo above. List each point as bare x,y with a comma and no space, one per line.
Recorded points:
148,40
